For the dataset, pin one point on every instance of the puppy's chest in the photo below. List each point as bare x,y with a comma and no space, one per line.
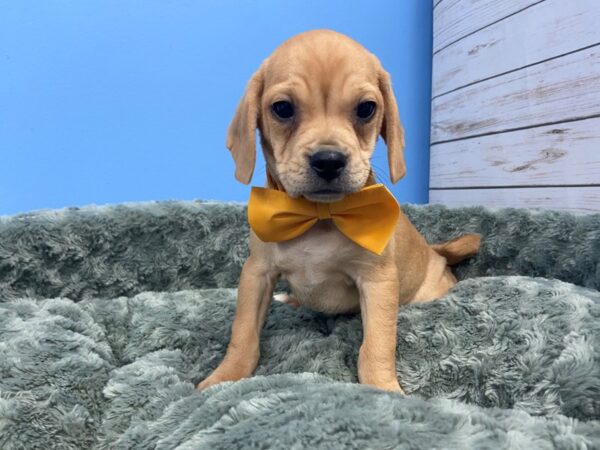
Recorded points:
318,250
318,267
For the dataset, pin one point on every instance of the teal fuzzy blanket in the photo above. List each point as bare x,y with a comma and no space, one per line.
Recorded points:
109,316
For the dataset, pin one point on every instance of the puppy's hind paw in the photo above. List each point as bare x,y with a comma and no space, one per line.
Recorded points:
287,299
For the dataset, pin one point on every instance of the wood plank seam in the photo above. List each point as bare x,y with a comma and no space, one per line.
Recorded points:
564,88
527,66
507,130
513,186
576,200
548,155
485,26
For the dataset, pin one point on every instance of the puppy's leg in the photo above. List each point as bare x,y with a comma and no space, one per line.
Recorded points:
459,248
254,296
379,311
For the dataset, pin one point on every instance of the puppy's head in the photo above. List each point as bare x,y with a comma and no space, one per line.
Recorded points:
320,101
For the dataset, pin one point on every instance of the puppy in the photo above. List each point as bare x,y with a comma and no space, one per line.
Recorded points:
322,96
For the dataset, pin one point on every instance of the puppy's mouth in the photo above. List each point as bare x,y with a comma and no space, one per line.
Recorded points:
325,195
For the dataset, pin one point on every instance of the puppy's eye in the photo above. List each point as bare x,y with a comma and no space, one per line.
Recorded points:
365,110
283,110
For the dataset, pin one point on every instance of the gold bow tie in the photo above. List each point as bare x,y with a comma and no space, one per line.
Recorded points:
367,217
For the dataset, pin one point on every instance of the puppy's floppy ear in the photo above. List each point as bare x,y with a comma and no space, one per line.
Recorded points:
391,128
241,134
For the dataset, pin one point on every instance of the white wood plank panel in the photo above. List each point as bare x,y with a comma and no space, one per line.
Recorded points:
578,200
551,28
567,153
453,19
560,89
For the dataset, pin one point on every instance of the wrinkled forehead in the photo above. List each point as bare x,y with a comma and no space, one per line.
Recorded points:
321,68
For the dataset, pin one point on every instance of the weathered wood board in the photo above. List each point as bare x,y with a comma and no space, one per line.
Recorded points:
515,113
567,153
576,200
558,90
454,19
535,34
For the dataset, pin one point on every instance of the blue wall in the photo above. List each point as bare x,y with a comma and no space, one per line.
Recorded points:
123,100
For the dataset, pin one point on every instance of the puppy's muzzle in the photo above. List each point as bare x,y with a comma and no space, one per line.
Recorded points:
328,164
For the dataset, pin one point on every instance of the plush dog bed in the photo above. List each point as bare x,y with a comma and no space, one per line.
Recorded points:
109,316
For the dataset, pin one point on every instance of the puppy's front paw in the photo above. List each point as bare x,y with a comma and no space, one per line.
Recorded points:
392,385
209,381
373,374
225,372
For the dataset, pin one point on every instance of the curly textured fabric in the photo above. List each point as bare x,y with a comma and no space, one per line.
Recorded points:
111,251
499,362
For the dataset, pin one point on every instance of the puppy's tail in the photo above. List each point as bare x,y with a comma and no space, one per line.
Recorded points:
458,248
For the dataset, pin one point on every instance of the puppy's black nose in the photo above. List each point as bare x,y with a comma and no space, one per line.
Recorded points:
328,164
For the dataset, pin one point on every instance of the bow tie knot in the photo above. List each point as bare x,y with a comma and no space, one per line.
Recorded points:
367,217
323,211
